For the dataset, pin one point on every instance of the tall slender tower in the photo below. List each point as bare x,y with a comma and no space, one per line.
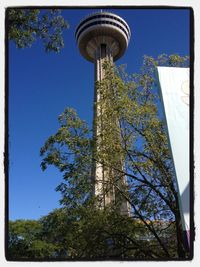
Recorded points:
103,36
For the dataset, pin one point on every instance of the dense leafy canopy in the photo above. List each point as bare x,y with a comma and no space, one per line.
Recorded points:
84,233
27,25
25,241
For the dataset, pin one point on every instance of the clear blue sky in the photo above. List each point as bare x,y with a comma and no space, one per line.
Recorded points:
42,84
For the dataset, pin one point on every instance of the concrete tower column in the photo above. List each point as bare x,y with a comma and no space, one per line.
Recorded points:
102,53
102,189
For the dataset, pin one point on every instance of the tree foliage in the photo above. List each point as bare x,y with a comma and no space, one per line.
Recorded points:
25,243
133,132
70,150
83,233
131,110
27,25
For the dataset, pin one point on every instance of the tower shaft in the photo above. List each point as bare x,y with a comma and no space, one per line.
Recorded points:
106,179
103,53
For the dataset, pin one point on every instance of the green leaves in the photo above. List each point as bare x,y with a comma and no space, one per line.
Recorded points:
83,233
165,60
26,242
133,133
70,150
26,25
129,139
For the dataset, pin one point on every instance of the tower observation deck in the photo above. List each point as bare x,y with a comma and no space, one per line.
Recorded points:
103,36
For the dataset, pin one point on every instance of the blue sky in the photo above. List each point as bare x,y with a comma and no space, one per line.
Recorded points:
42,84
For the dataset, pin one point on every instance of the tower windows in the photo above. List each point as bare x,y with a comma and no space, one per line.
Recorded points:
102,22
103,16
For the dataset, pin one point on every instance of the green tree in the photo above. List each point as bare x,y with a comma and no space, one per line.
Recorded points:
132,101
26,25
131,114
24,241
70,150
83,233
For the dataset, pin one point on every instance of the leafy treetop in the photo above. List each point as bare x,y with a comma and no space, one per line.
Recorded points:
26,25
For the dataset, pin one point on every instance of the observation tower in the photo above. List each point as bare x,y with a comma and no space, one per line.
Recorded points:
103,36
